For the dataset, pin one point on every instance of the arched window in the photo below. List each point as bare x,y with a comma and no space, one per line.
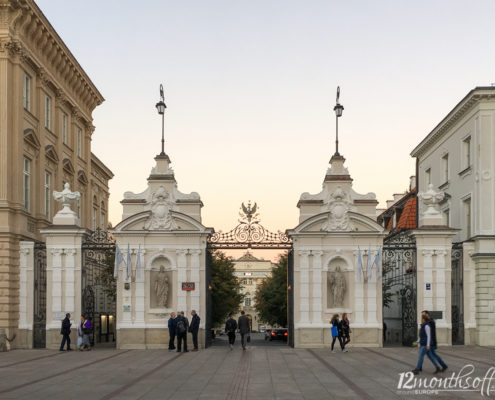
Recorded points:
95,212
103,215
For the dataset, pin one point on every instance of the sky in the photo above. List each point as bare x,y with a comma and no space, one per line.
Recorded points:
250,90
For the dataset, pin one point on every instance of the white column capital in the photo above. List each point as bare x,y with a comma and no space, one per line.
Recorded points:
57,251
317,253
181,252
428,253
304,253
70,252
195,252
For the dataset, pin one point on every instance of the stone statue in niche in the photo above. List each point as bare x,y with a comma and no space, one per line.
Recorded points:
337,287
338,204
161,205
161,287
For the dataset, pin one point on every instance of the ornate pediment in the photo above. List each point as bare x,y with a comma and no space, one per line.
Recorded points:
81,176
68,167
51,154
162,203
31,138
338,204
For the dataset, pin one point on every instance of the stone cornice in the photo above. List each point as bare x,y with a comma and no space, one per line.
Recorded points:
24,30
474,96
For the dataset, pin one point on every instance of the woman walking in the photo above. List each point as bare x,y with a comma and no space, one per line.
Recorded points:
345,329
336,333
83,331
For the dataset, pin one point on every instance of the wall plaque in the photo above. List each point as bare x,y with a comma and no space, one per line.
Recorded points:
188,285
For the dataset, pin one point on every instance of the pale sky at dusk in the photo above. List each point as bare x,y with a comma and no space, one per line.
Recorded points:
250,90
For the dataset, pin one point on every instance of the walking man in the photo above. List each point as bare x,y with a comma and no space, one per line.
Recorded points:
230,328
65,331
181,326
194,328
244,328
171,331
433,345
425,343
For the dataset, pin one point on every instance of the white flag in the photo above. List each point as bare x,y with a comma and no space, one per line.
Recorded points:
118,261
378,263
128,262
359,266
369,268
138,263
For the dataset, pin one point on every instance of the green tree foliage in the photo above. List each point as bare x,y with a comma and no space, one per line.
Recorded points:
387,294
226,296
106,275
271,295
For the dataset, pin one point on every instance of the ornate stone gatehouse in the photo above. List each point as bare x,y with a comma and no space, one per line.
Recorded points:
337,262
163,246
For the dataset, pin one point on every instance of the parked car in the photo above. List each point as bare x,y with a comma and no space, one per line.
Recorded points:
277,334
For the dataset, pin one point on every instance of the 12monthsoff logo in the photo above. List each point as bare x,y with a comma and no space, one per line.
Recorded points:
466,380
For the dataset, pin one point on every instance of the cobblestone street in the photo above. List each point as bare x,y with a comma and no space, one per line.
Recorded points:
261,372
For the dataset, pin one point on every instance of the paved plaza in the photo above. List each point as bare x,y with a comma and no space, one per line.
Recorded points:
261,372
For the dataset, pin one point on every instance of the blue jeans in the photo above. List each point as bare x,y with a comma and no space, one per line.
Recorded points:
437,357
421,356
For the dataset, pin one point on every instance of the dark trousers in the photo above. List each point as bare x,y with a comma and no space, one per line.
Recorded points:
66,338
243,339
181,337
346,339
171,345
195,339
231,337
340,341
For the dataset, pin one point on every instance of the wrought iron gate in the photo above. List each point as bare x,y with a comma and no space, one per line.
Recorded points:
290,297
98,288
208,320
399,290
39,309
457,291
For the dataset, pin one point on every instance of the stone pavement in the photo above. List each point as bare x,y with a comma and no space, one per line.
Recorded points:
261,372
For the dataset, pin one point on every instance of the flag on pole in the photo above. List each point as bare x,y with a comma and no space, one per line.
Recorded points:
369,268
118,260
378,263
138,263
128,262
359,266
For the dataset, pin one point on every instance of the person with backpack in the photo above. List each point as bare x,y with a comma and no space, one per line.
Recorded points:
194,328
230,328
181,328
83,331
336,332
65,331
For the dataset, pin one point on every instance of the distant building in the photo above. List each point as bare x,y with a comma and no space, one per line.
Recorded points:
251,272
46,105
458,157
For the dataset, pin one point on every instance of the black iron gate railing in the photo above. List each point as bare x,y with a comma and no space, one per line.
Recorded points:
98,287
457,292
399,290
290,297
39,306
208,320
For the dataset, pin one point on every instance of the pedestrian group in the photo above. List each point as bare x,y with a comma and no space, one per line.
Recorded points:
341,330
244,327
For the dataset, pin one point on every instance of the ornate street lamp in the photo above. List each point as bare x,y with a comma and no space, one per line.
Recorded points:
339,108
160,106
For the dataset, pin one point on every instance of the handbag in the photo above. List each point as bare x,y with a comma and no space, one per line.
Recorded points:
335,331
249,338
79,341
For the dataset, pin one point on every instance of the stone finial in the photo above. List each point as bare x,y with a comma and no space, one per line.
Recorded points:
430,213
66,216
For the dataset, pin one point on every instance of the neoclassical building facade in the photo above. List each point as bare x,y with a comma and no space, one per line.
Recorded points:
46,105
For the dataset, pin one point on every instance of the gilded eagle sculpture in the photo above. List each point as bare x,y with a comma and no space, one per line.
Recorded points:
249,212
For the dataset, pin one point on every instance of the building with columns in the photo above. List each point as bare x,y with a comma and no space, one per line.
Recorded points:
46,105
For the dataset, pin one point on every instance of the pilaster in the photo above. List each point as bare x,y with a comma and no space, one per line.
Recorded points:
316,312
181,277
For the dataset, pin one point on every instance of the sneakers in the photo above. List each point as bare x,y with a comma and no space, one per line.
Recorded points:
231,347
333,351
344,351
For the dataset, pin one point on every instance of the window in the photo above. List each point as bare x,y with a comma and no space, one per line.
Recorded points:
102,215
26,92
95,212
247,302
27,184
466,149
446,217
79,143
249,281
48,181
64,128
48,112
428,176
467,219
445,167
244,282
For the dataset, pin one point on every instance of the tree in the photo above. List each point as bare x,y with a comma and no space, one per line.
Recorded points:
387,295
226,295
271,295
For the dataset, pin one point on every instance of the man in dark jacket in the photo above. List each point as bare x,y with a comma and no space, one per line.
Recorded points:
244,328
171,332
181,327
194,328
433,346
230,328
65,331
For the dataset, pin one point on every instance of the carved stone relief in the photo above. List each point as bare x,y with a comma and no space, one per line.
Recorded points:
337,285
338,204
161,206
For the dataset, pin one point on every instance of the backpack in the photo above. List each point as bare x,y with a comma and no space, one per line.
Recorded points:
230,325
181,326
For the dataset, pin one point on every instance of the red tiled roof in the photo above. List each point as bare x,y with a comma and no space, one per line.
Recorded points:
407,219
390,222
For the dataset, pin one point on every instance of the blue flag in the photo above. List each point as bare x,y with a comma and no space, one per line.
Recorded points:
359,266
118,261
128,262
378,263
138,262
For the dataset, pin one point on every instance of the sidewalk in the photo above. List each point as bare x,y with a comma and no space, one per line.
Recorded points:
261,372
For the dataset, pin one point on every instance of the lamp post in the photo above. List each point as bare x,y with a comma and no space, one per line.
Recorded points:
339,108
160,106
